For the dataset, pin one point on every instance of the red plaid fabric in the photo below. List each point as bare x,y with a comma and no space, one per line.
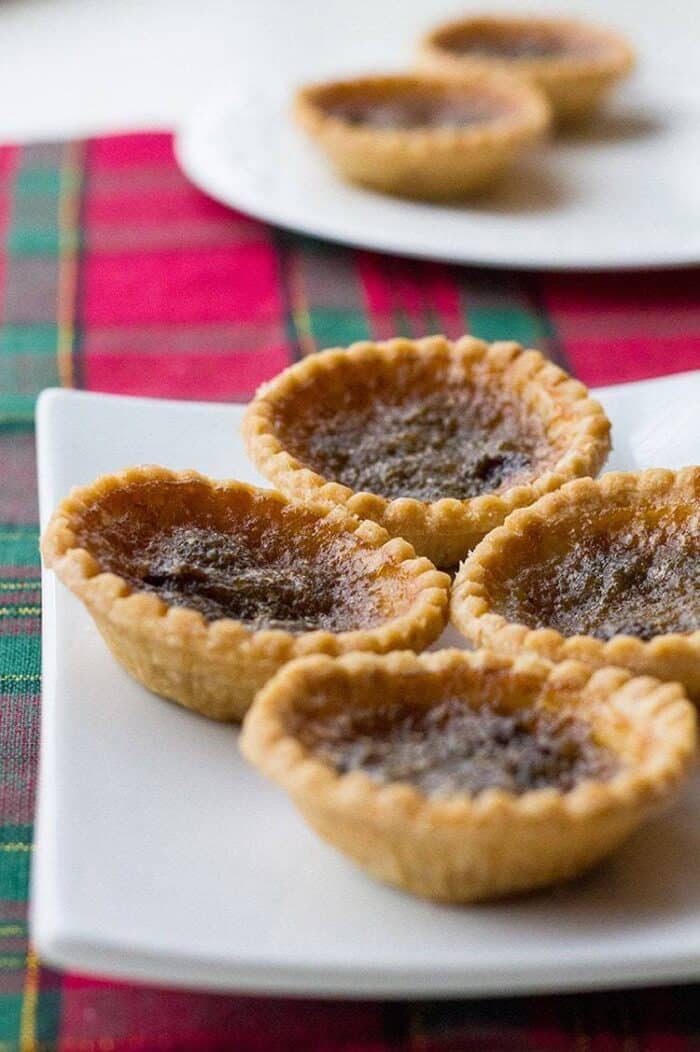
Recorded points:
117,275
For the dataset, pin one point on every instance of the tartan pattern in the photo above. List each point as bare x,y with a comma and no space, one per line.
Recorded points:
116,275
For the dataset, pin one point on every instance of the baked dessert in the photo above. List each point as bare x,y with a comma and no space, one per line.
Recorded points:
422,136
604,571
203,589
462,776
436,441
574,63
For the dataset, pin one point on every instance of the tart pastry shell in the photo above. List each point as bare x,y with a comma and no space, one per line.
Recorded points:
673,656
460,848
216,667
431,163
443,530
574,84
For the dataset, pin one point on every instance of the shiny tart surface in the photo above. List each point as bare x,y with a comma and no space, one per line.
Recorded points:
605,571
462,776
437,441
422,136
203,589
574,63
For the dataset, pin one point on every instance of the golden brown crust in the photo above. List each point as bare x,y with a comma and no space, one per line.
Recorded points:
444,530
574,83
424,162
216,667
668,657
460,848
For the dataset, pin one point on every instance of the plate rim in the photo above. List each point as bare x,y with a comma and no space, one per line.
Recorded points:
192,143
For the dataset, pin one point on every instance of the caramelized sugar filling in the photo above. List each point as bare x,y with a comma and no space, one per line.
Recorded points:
416,109
440,443
450,747
221,576
638,582
512,43
269,566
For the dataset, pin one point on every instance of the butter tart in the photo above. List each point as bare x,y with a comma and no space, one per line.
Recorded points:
422,136
574,63
606,571
462,776
203,589
436,441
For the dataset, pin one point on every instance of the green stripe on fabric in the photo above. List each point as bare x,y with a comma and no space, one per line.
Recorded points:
15,838
17,930
505,323
21,423
19,545
48,1015
10,1015
38,181
27,359
306,243
15,853
332,328
23,241
17,408
19,682
33,241
19,661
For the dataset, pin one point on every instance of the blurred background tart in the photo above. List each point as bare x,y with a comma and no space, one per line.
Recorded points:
574,63
423,135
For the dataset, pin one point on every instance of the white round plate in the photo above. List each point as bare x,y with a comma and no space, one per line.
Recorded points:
622,194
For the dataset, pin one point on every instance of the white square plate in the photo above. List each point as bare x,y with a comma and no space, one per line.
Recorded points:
162,856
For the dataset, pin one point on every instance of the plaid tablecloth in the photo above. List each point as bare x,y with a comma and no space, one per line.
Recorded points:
116,275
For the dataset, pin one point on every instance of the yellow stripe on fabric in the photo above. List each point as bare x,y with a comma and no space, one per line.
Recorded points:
301,314
20,586
19,611
68,220
15,845
302,324
27,1022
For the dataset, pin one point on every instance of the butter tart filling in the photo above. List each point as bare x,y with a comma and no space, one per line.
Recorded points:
414,107
635,583
233,565
451,747
519,40
457,442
